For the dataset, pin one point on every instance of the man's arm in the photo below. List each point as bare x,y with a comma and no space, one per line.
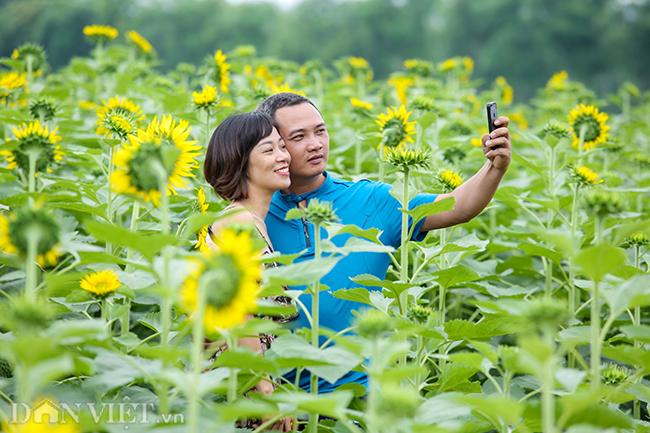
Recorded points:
475,194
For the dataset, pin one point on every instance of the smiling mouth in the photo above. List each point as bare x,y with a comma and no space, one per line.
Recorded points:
282,170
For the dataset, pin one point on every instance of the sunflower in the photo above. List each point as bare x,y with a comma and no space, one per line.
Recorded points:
163,144
34,137
202,208
394,127
118,118
10,81
230,276
401,84
584,176
588,117
558,81
284,88
43,108
505,89
16,229
468,64
136,39
447,65
221,74
206,99
33,55
87,105
408,158
601,202
421,68
449,181
360,106
100,34
100,284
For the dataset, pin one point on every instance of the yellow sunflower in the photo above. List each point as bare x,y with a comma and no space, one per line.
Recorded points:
34,137
360,105
449,181
162,143
100,284
418,67
408,158
221,71
394,127
584,176
284,88
100,34
231,276
447,65
205,99
202,208
16,229
401,84
139,41
558,81
588,117
118,118
10,81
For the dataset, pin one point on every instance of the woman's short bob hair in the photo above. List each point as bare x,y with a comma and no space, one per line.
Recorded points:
226,160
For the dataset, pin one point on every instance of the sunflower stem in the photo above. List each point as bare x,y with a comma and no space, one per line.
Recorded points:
381,161
109,196
315,329
595,338
232,380
33,239
637,343
197,350
32,155
548,398
166,301
581,142
207,126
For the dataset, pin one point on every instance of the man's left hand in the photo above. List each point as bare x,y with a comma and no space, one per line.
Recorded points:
496,145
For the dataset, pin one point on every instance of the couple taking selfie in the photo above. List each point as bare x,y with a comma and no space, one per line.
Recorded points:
274,159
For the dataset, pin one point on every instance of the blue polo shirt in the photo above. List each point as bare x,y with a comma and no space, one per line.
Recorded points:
366,204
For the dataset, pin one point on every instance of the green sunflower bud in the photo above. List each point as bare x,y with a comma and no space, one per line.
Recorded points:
372,323
317,212
419,313
24,315
555,129
396,402
33,54
459,127
601,202
614,374
28,222
408,158
5,369
43,109
454,154
547,313
638,239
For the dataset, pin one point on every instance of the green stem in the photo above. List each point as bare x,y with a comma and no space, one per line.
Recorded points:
581,142
637,343
442,305
207,126
381,160
372,389
196,358
574,218
232,380
595,338
32,155
109,197
315,329
33,239
165,289
548,400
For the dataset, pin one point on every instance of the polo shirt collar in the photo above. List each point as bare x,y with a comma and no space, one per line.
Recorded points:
320,191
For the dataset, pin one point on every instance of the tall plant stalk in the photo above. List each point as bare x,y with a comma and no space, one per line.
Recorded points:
33,238
165,309
315,326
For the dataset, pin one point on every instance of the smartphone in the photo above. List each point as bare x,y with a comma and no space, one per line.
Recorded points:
492,115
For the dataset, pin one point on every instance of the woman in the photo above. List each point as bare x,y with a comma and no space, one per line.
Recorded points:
246,162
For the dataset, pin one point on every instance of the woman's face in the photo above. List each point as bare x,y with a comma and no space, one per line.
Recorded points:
268,165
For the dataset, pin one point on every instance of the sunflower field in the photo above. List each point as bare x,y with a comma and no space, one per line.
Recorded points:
530,318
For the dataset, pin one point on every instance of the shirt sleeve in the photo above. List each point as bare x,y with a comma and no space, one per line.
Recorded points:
388,209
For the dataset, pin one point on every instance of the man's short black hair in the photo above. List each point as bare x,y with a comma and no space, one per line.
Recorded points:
280,100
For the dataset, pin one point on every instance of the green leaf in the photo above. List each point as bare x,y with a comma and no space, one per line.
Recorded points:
454,374
396,287
305,272
333,405
355,245
246,359
455,275
371,234
473,360
463,330
424,210
442,408
575,335
283,259
629,294
494,408
397,191
637,332
293,214
469,243
537,250
99,210
598,261
358,294
147,245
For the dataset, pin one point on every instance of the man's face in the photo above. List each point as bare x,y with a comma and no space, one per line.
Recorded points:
305,135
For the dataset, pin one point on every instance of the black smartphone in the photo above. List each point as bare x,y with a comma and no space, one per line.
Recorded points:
492,115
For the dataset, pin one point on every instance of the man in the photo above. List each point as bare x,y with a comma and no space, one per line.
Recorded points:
365,203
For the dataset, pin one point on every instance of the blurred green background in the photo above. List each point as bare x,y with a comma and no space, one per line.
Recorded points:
602,43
